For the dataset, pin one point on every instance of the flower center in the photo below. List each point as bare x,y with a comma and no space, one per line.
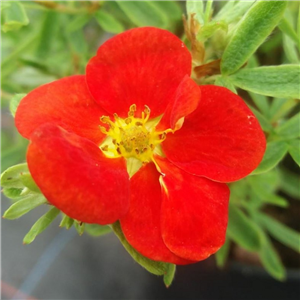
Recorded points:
131,137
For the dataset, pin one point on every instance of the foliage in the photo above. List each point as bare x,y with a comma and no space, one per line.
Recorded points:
44,41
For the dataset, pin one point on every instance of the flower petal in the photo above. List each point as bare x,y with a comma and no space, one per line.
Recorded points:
194,213
66,103
221,140
74,176
185,102
141,66
141,225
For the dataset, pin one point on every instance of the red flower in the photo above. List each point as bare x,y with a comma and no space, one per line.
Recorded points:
183,141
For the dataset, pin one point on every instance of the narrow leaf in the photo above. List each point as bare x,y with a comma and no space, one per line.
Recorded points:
281,232
14,103
14,17
275,81
23,206
12,193
169,277
271,260
154,267
274,153
108,22
78,22
79,227
222,254
281,107
287,28
294,150
12,176
291,128
243,230
197,8
232,11
66,222
97,230
40,225
253,29
143,13
290,183
28,182
225,82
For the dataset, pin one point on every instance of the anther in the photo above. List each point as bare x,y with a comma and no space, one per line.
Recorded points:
104,148
105,119
118,150
132,107
137,151
138,123
103,130
147,110
128,120
114,141
116,116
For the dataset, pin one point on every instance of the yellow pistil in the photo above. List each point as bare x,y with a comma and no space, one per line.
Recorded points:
133,138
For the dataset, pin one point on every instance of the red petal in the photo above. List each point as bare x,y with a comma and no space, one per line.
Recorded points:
65,102
221,140
141,225
141,66
74,176
185,102
194,213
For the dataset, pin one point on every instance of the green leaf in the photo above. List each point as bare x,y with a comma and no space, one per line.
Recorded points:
287,28
78,22
4,5
154,267
263,121
14,17
275,81
264,186
171,9
271,260
108,22
143,13
23,206
97,230
281,232
290,183
291,128
209,29
169,277
232,11
11,178
79,226
225,82
290,50
222,254
253,29
28,182
294,150
281,107
14,103
275,151
66,222
48,34
261,102
243,230
40,225
12,193
197,8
